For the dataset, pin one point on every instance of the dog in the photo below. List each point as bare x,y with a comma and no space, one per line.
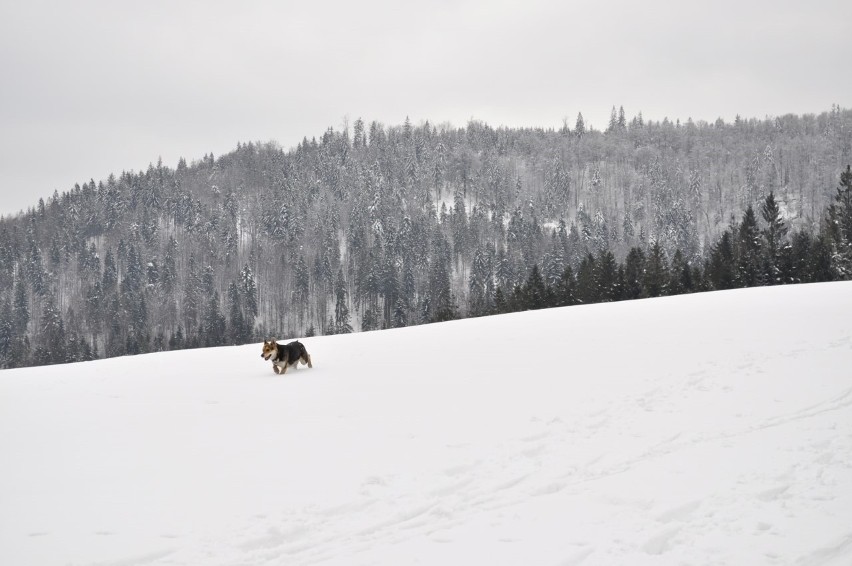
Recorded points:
285,356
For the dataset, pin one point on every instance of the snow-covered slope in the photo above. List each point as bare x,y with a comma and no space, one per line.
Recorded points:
704,429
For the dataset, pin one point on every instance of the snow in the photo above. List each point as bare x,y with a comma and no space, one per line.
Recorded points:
703,429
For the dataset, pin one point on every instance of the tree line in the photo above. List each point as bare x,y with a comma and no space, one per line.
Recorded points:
378,227
748,254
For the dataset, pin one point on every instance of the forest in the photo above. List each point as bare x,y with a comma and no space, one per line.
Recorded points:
378,226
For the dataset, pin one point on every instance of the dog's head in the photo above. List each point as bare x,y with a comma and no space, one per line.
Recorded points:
269,349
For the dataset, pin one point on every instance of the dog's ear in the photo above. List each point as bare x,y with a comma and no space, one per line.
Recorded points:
273,341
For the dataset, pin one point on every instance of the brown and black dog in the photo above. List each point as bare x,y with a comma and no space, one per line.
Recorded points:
285,356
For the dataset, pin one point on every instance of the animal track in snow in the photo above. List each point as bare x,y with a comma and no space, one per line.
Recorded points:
679,513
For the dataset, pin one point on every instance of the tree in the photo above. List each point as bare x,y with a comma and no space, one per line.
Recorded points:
840,224
580,126
501,305
721,270
52,344
680,276
342,324
214,323
634,273
6,334
565,292
821,264
607,277
622,120
237,330
21,309
479,283
535,294
799,258
749,273
440,304
774,243
587,285
613,122
655,283
192,298
248,296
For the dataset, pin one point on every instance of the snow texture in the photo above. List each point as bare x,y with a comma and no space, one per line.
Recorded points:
703,429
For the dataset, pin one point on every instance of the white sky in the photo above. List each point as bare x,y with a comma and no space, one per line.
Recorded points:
94,87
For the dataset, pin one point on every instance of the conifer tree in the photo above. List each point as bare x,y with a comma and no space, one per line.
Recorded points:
342,324
655,283
749,273
565,291
214,323
721,270
800,257
500,303
840,225
774,242
535,293
236,324
52,347
607,277
680,276
580,126
613,122
634,273
587,285
6,334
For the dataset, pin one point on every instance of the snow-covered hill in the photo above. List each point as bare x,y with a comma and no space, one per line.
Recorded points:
704,429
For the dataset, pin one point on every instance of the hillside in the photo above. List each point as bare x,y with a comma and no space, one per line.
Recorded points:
389,226
703,429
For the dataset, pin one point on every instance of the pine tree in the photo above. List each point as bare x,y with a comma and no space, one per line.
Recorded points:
840,225
565,291
749,273
613,122
52,343
655,282
774,243
721,270
622,120
501,305
6,334
580,126
478,283
800,257
236,321
21,309
587,285
535,293
248,297
634,273
681,277
214,322
192,298
110,275
607,277
342,324
822,265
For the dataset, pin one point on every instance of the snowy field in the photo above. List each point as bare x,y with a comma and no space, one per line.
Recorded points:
704,429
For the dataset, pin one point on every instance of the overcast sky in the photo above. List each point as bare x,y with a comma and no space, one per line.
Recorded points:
88,88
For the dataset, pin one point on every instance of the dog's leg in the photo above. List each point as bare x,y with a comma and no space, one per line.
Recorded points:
275,368
306,360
